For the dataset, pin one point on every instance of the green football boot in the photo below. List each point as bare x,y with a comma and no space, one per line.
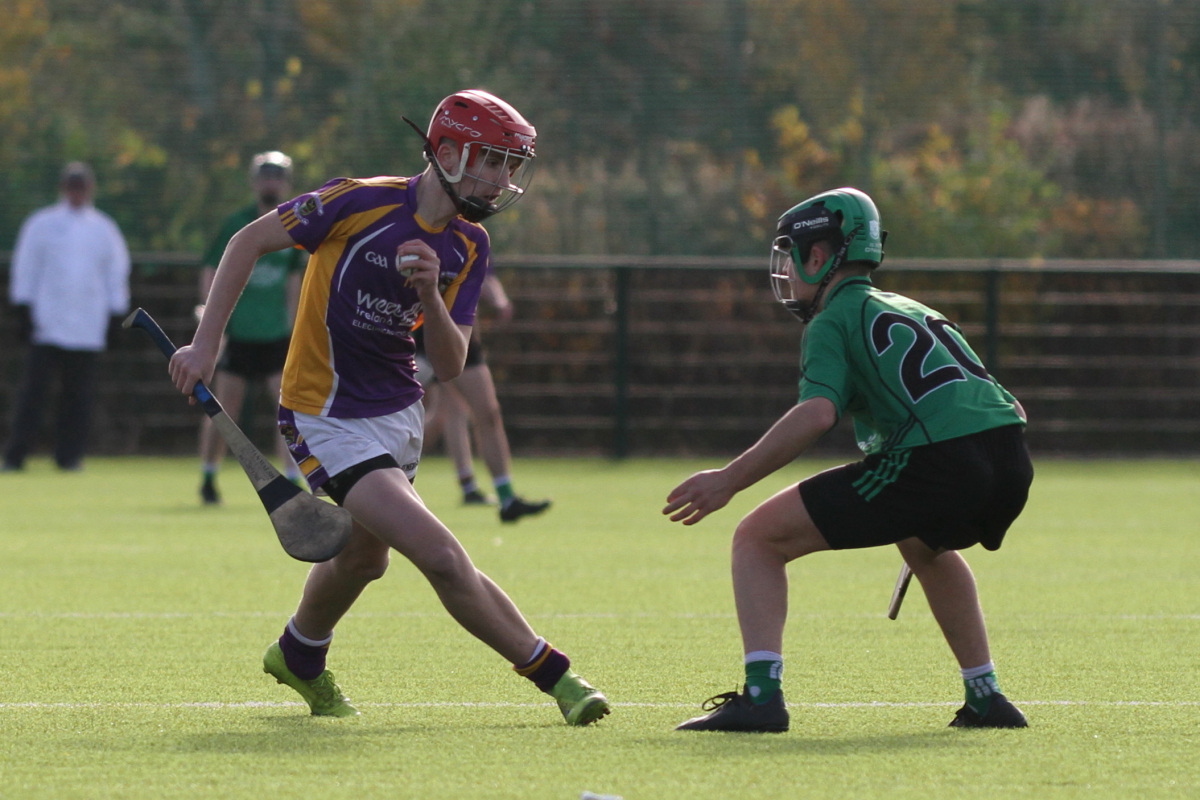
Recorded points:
579,701
321,693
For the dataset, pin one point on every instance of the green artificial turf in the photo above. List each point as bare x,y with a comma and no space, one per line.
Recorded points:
133,620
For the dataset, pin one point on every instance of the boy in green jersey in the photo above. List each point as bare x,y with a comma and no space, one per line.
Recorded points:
946,465
258,333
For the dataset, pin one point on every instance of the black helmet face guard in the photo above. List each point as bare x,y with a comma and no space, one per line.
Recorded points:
784,272
787,272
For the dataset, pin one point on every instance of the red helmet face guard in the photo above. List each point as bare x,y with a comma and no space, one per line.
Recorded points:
495,146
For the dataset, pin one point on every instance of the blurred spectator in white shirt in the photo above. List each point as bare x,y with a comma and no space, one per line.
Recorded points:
70,275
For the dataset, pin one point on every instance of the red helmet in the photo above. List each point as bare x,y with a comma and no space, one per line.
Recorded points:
473,115
480,122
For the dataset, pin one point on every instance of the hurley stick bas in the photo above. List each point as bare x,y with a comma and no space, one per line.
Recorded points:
902,581
309,529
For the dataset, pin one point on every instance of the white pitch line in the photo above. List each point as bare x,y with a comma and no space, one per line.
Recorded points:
877,704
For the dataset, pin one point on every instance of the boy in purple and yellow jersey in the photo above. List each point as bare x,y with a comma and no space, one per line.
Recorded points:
388,254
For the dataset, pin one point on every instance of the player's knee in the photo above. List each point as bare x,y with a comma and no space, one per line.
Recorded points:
363,567
760,532
750,534
490,416
444,564
919,556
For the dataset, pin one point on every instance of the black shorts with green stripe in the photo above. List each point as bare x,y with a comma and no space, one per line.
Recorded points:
952,494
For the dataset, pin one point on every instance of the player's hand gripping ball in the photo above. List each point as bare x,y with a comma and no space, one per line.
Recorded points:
401,261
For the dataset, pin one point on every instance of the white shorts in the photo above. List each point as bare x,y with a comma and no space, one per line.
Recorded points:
324,446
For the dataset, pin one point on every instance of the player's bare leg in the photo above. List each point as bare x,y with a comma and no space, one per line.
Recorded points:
230,390
298,658
455,418
777,532
949,587
455,429
478,390
332,587
385,503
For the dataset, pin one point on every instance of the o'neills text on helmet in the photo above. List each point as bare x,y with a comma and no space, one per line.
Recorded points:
811,223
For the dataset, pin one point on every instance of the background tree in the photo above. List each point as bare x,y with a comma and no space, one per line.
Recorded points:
1049,127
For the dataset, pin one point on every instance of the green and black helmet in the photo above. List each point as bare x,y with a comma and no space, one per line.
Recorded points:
847,219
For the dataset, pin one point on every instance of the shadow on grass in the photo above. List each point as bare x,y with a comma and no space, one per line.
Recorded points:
734,746
314,735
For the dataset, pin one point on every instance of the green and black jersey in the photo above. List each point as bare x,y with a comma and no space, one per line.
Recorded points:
261,313
902,371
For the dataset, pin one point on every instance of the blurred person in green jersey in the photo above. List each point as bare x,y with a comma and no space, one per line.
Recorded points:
256,341
946,464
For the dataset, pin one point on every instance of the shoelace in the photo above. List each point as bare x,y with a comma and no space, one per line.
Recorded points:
718,700
326,689
578,690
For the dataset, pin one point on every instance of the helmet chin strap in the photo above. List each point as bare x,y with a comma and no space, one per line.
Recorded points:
807,313
473,209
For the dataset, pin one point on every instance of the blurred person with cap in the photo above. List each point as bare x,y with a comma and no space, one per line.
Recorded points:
259,331
70,274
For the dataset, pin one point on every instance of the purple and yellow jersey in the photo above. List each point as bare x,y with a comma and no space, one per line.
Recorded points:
352,353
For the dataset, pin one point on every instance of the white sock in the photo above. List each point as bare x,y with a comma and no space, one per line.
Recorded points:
537,650
762,655
304,639
977,672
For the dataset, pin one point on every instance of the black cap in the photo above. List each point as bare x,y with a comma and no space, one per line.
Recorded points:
77,175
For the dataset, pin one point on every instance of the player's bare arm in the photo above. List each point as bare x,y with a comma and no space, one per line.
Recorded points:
196,361
710,490
445,340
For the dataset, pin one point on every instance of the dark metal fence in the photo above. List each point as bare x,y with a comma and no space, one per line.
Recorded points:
689,355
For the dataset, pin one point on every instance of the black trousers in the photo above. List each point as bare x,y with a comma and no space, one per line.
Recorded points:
76,370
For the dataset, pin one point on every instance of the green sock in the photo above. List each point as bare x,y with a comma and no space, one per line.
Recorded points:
764,674
504,489
980,686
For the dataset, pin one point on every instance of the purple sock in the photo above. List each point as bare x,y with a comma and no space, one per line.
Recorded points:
306,661
545,668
